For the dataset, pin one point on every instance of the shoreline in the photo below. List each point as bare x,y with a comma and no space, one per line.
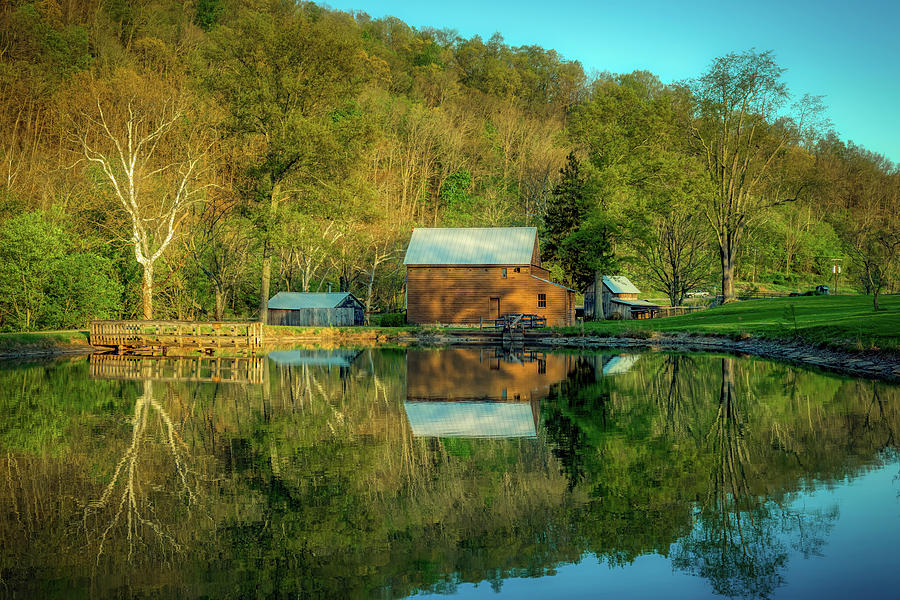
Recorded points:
870,364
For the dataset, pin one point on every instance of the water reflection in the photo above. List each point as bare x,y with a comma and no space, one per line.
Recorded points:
217,369
156,481
359,473
479,392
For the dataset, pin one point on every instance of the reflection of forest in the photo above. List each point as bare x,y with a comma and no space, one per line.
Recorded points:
314,485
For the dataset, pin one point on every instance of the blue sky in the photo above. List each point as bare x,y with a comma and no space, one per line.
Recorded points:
849,52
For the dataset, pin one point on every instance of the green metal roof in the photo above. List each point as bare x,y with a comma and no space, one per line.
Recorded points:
471,246
470,419
634,302
299,300
619,284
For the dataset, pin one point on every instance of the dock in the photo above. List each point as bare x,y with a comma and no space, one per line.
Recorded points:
158,337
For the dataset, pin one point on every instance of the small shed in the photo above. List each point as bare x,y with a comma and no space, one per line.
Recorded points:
618,300
326,309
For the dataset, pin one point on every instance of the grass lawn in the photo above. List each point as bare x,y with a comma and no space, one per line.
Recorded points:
43,339
287,331
841,321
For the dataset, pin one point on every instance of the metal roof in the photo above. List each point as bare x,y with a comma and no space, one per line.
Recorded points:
619,284
620,364
634,302
298,300
551,283
471,246
471,419
319,358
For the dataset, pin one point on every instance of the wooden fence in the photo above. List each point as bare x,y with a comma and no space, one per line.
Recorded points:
657,312
127,336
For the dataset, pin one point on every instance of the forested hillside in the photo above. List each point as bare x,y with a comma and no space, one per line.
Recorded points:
190,159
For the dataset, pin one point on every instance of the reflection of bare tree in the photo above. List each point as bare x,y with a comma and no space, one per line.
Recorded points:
877,416
738,541
132,502
675,395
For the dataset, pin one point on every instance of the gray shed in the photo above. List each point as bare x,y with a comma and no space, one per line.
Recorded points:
326,309
618,299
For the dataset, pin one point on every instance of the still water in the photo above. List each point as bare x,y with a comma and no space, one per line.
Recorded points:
466,472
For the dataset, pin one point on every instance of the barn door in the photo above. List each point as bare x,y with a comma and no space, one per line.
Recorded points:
495,308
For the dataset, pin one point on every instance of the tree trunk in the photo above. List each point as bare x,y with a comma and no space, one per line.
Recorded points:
726,395
147,292
265,280
726,253
220,304
266,276
875,297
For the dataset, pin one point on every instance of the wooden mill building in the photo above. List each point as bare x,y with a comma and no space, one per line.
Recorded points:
465,275
328,309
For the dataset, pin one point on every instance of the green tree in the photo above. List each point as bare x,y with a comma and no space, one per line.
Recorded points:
282,78
45,283
30,252
589,249
672,243
739,135
566,208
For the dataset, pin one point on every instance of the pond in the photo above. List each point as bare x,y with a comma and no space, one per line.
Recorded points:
471,472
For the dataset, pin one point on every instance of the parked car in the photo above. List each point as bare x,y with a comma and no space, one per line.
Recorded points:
697,294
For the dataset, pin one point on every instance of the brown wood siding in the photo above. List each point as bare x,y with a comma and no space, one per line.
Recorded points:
536,254
476,374
540,272
462,294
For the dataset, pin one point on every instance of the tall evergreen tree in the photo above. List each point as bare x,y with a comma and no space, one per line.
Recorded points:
567,208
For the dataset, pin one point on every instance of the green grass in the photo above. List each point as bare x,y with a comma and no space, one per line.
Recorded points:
43,339
292,331
839,321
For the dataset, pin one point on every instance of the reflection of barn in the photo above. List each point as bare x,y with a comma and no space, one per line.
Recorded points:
471,392
465,275
326,309
618,300
341,357
598,366
321,360
616,365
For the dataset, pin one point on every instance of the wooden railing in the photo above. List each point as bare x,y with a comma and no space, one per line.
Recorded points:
131,335
203,369
510,322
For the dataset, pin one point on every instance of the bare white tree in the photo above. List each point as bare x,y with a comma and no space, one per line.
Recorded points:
150,163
